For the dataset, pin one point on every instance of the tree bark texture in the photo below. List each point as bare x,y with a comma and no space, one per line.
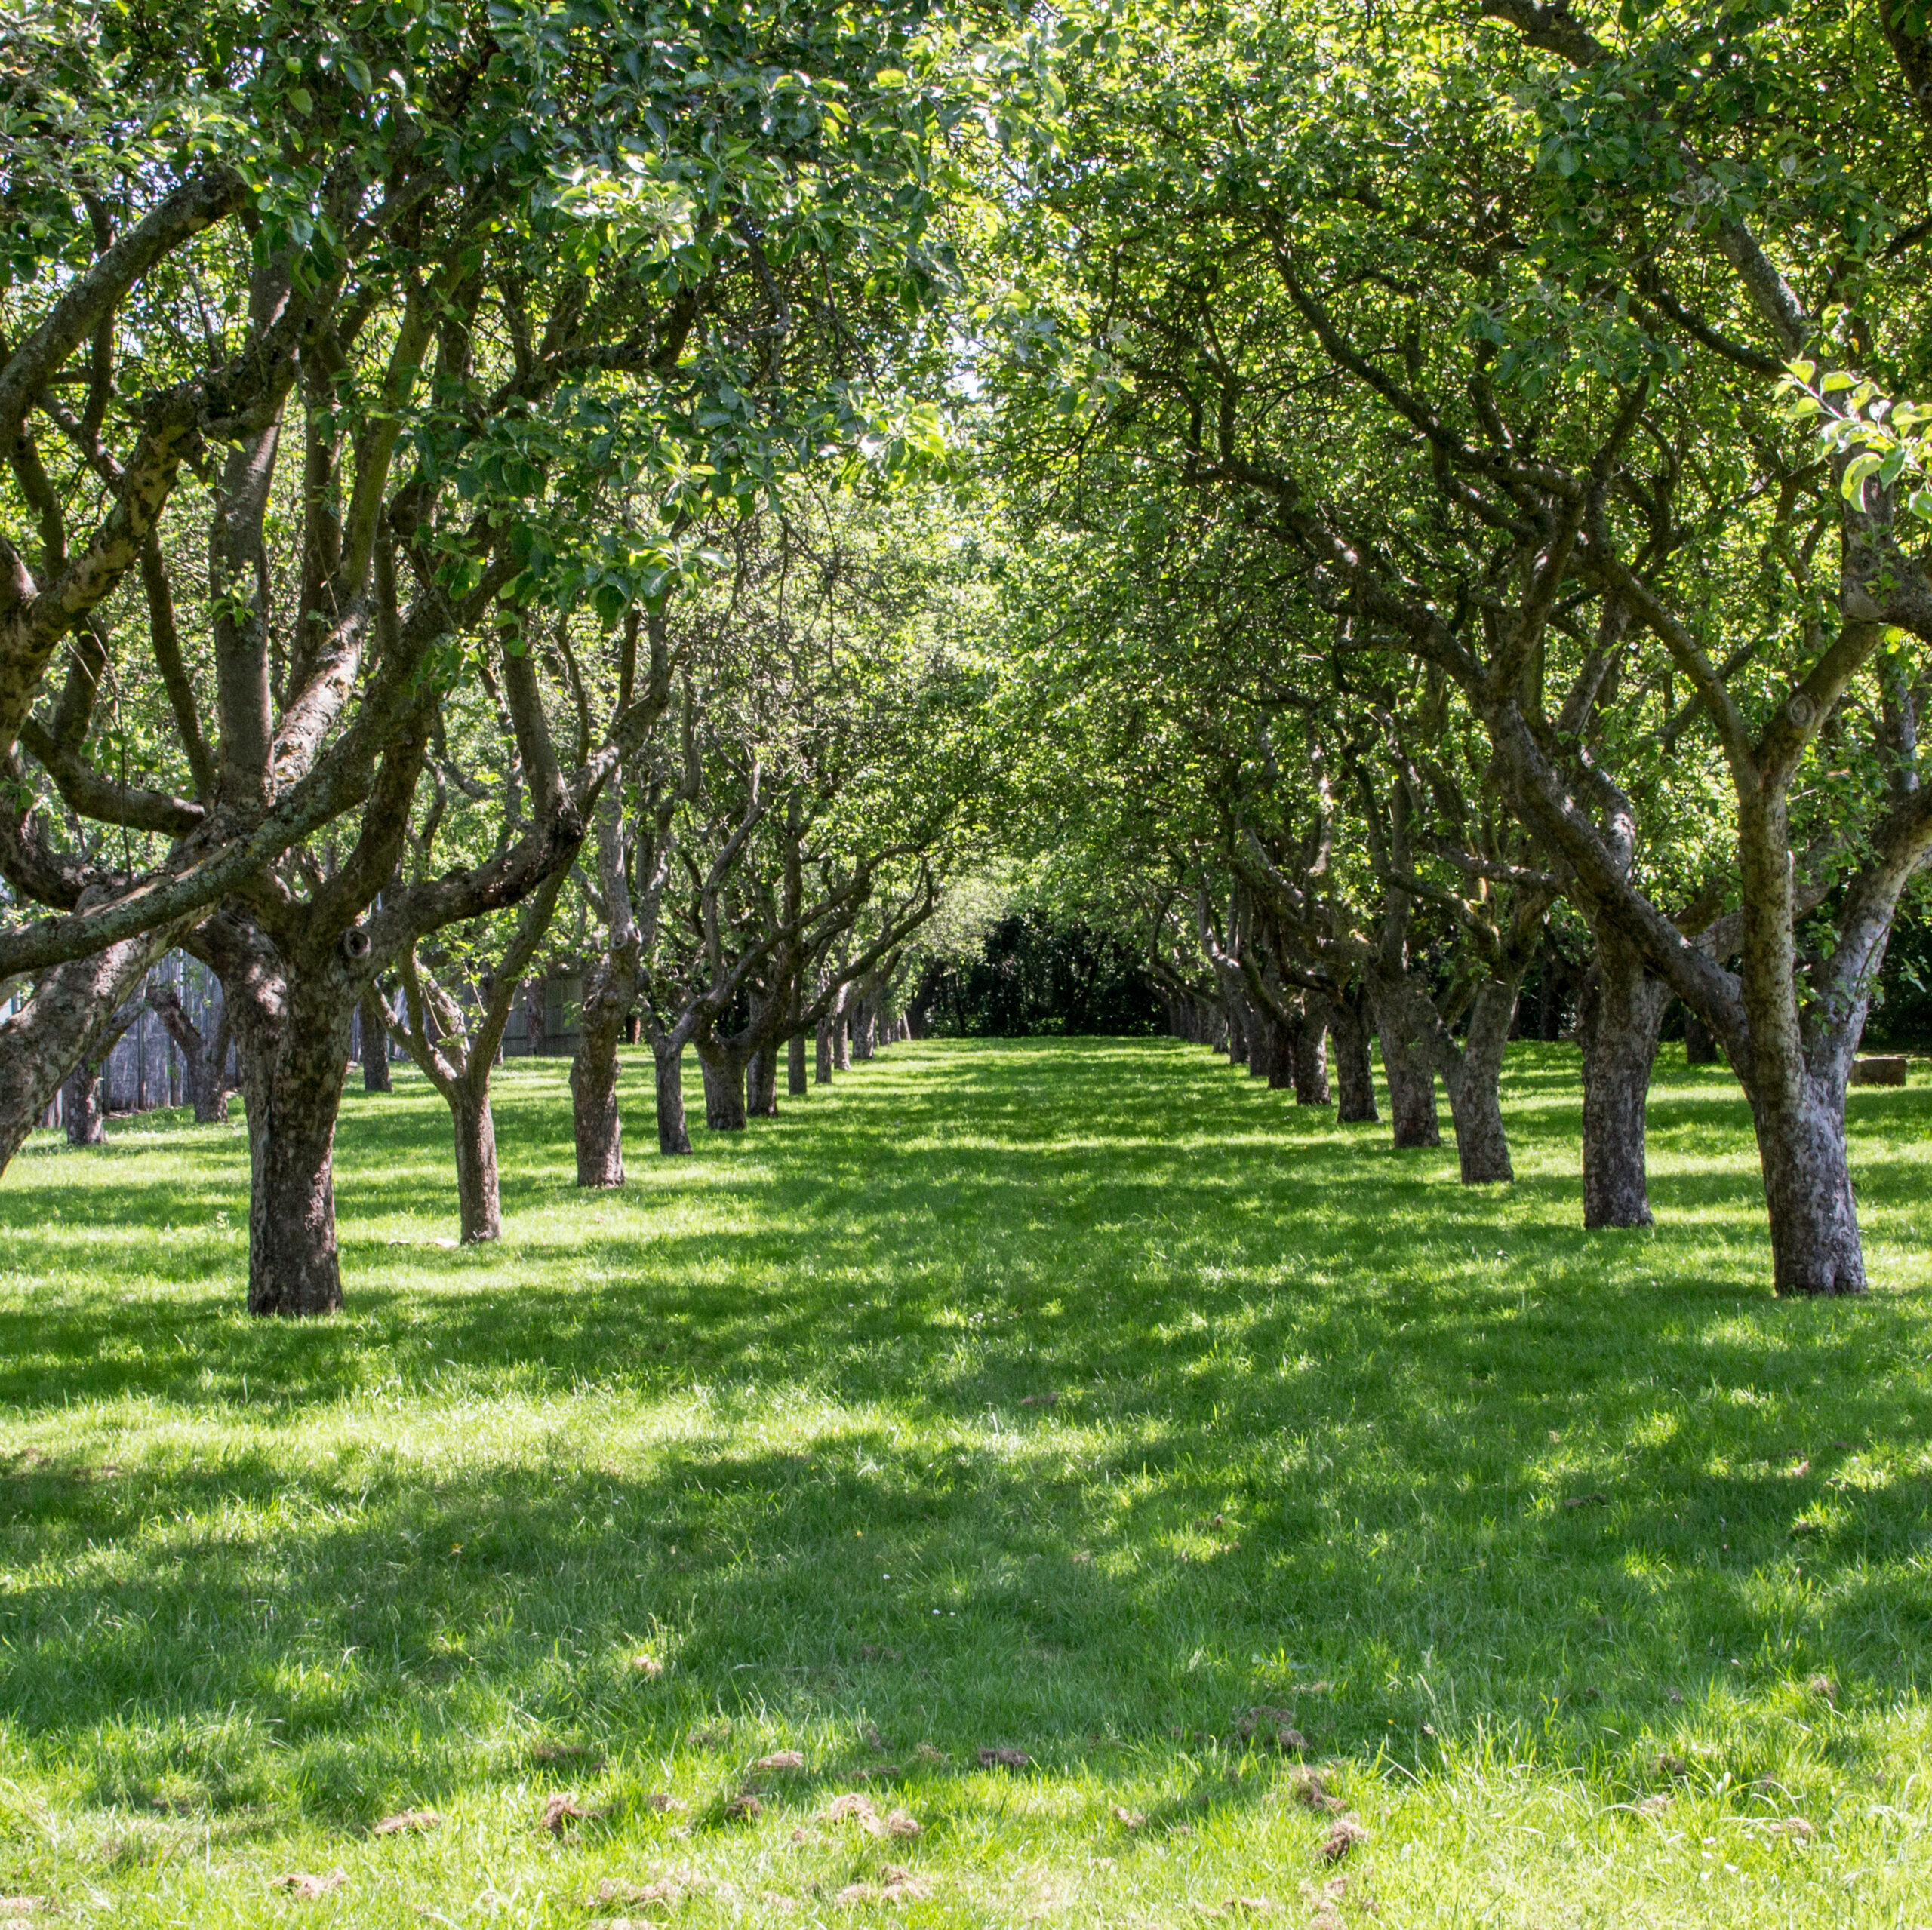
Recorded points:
822,1067
375,1076
1472,1073
1411,1083
672,1136
723,1068
1308,1047
594,1071
1619,1013
761,1083
1815,1244
795,1085
293,1022
1355,1076
479,1205
84,1105
72,1006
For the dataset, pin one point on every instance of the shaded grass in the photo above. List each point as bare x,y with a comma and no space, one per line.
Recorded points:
1525,1526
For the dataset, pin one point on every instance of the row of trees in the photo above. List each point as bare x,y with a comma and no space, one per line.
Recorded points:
1435,489
1469,484
405,408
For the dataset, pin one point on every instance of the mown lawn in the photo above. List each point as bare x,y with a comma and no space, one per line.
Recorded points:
1074,1398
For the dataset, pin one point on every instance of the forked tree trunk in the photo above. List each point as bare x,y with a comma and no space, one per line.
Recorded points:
479,1204
795,1086
594,1073
724,1086
1308,1047
672,1135
1619,1013
84,1105
376,1077
1411,1083
1355,1076
1796,1084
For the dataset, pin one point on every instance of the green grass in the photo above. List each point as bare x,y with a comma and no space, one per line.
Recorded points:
762,1418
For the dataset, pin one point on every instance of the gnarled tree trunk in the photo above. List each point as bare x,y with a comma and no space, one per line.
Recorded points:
594,1070
374,1025
669,1055
1411,1082
293,1024
1308,1048
1472,1073
1619,1013
84,1105
1355,1076
1815,1244
724,1085
71,1009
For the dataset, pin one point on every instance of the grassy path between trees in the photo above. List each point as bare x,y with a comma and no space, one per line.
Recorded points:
1074,1398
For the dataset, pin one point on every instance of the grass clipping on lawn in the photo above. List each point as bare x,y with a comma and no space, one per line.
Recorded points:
1031,1482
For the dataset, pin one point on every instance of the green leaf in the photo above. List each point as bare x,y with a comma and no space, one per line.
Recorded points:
1860,466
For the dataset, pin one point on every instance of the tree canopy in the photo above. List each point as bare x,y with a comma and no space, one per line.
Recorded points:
1354,513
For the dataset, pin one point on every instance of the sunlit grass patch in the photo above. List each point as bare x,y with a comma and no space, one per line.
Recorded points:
1070,1400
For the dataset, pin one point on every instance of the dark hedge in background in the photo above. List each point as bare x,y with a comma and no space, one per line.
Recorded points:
1034,978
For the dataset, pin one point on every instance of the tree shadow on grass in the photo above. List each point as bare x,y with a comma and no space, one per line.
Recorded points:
1318,1415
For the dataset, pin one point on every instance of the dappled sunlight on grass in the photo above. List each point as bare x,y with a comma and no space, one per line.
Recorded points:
1065,1396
